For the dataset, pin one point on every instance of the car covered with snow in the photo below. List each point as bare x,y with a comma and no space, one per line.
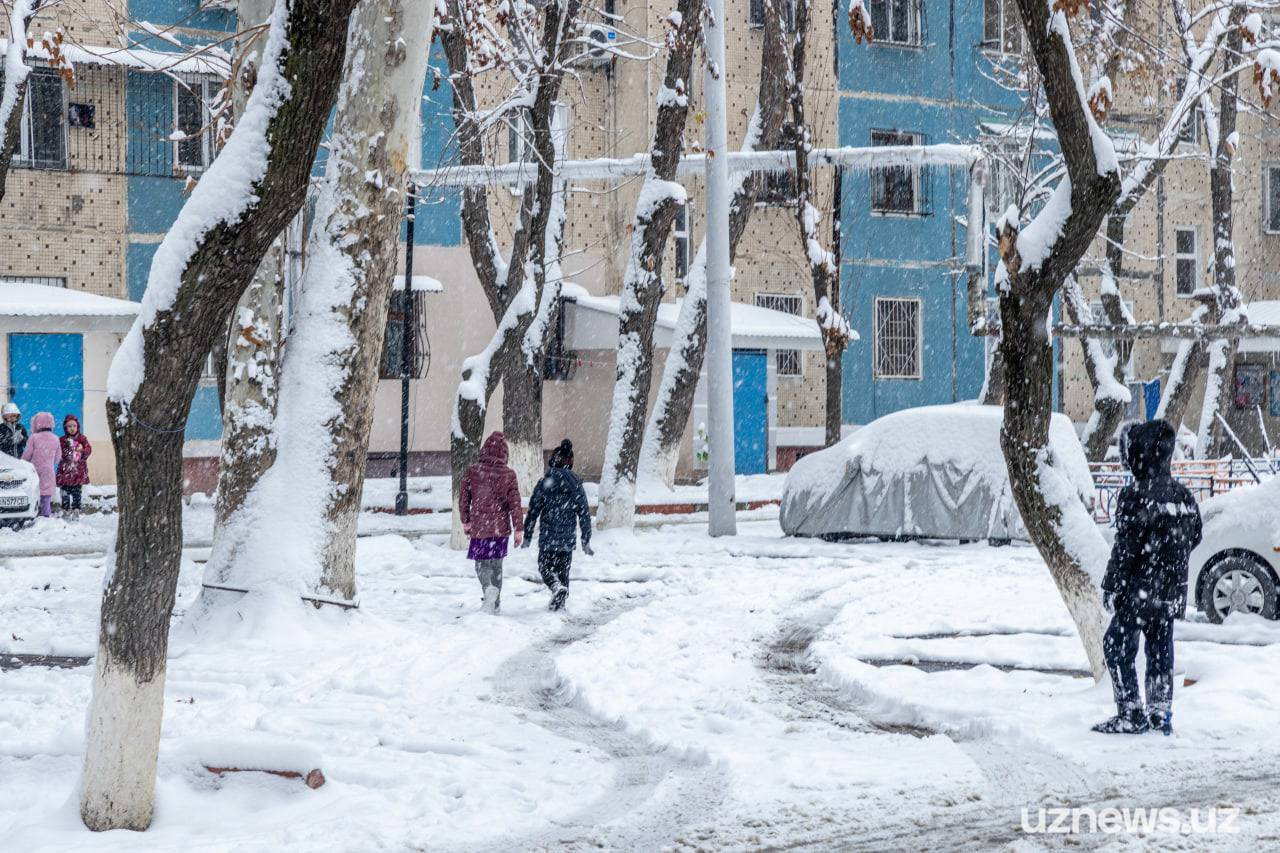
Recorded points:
935,472
19,491
1236,567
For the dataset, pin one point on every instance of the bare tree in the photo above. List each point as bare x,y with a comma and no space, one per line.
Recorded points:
16,72
516,286
642,287
254,187
1038,258
665,430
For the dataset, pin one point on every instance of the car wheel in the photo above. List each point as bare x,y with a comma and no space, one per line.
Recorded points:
1239,585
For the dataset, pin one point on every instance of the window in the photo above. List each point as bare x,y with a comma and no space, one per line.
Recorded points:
896,22
790,362
1002,27
683,235
42,280
393,338
520,142
1004,183
1190,131
1249,386
1187,261
559,363
1271,199
896,189
42,142
897,344
192,122
776,189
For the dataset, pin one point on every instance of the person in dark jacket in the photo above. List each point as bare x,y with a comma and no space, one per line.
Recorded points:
73,468
13,435
1145,587
489,509
560,502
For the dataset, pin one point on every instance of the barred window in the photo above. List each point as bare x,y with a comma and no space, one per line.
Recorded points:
790,362
898,336
896,189
42,142
393,341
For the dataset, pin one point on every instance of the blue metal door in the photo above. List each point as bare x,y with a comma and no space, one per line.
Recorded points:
750,411
46,374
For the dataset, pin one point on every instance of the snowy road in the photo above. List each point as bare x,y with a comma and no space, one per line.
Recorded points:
698,695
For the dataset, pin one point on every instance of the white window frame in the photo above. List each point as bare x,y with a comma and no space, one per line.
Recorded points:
204,88
1190,133
997,46
520,137
876,373
1270,172
683,238
22,156
917,185
1002,165
915,24
771,300
1194,257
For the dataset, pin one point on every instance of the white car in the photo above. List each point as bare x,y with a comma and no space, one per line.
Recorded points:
1236,566
19,492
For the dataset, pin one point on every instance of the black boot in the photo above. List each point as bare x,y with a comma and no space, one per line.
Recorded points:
1160,721
1129,723
558,598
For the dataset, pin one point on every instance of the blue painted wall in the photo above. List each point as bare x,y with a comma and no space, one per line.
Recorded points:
938,90
439,220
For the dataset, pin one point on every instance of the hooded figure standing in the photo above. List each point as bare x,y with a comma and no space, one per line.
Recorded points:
73,469
561,503
13,435
1157,526
43,451
489,509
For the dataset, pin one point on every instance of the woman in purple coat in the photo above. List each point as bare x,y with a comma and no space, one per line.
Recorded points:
43,451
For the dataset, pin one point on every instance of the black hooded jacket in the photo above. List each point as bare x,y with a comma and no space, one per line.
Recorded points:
560,502
1157,525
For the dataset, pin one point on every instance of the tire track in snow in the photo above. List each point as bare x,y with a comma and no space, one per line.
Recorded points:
659,798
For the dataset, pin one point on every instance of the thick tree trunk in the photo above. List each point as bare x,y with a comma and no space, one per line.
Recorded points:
660,451
643,288
1184,376
1211,440
330,370
1105,372
1058,525
249,194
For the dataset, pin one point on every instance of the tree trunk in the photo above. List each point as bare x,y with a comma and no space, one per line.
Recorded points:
1184,376
643,288
247,196
515,289
1058,525
660,451
1105,372
15,84
330,370
1211,440
249,389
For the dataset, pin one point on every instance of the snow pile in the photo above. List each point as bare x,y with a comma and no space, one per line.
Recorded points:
935,471
39,300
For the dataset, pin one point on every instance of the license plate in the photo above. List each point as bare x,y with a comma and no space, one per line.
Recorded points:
13,503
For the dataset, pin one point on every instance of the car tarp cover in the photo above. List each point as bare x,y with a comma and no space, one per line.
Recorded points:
933,472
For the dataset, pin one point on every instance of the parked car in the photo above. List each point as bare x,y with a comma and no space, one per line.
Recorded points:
1236,566
935,472
19,492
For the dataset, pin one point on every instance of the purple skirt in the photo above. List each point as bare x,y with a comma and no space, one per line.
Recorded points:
494,548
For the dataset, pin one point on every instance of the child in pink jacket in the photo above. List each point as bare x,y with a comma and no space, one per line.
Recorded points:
43,451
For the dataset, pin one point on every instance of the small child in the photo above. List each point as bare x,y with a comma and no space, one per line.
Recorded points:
13,435
489,509
43,451
560,501
73,470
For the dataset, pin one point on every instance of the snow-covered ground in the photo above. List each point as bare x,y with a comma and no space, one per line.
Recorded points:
738,693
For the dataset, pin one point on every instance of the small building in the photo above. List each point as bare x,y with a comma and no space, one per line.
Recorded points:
56,346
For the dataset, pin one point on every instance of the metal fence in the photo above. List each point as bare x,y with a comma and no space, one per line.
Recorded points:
1204,477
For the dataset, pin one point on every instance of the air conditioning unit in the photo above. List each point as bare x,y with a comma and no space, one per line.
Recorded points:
599,54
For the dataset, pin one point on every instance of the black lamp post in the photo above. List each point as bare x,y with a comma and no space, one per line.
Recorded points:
406,349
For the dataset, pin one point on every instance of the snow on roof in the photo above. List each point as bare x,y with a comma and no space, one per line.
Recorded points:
421,283
41,300
212,60
750,324
1262,313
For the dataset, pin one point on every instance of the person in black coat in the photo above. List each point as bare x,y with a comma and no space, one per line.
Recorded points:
13,435
1145,587
560,503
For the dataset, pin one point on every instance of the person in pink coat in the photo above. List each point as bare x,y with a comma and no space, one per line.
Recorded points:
43,451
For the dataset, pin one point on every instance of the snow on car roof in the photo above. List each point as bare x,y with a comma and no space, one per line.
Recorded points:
21,299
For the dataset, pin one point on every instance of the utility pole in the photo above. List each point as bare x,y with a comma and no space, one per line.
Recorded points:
406,349
721,502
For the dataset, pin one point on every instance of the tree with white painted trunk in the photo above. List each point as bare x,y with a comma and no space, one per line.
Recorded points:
1037,258
660,451
247,196
522,288
330,368
642,285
